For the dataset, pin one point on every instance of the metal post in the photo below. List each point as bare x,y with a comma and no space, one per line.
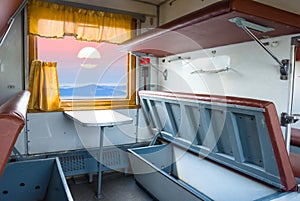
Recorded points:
100,162
294,45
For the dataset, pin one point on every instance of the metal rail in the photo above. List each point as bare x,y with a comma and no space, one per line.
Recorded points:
294,44
12,20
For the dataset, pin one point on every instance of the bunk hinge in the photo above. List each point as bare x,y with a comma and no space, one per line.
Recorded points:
284,68
246,26
156,135
287,119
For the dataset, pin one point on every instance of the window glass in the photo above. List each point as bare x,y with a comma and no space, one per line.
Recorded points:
86,70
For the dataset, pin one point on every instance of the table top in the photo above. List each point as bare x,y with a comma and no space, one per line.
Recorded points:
99,118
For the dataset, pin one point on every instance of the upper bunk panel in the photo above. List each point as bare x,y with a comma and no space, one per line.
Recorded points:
209,27
7,9
239,133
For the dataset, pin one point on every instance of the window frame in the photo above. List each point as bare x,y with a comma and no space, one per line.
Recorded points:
115,103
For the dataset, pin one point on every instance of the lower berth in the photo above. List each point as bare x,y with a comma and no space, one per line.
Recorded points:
170,173
26,180
213,148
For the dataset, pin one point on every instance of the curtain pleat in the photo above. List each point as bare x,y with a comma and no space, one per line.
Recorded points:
43,85
55,21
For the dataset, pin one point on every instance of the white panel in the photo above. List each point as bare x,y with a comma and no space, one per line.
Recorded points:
51,132
253,73
132,6
215,181
11,65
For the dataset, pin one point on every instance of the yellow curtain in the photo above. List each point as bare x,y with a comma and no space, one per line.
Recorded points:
43,85
53,20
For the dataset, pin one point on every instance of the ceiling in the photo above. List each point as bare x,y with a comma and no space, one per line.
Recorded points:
154,2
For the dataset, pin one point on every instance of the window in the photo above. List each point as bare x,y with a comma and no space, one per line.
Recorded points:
91,75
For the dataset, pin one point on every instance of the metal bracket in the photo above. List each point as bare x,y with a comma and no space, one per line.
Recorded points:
284,68
18,155
287,119
178,59
210,71
246,26
164,72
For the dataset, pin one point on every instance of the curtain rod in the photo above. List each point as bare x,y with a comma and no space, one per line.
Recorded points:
137,16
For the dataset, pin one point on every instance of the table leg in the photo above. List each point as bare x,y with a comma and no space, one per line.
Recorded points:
100,162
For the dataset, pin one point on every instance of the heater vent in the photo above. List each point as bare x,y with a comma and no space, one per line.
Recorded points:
84,162
115,158
72,163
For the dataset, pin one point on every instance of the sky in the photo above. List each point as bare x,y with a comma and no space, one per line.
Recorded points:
110,69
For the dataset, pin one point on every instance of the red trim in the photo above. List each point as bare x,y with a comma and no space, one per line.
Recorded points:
295,161
298,54
208,98
295,137
282,158
12,121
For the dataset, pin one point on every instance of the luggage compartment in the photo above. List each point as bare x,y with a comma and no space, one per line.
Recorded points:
169,172
212,148
41,179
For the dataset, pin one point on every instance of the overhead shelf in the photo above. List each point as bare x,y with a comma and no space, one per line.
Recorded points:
210,27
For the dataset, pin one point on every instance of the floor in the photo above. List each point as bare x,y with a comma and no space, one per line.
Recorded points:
115,187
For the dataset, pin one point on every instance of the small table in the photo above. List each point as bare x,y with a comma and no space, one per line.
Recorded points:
102,119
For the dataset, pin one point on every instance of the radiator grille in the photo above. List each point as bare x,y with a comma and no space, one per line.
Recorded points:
112,158
72,163
84,162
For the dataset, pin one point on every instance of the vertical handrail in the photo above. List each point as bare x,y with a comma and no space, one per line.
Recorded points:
294,45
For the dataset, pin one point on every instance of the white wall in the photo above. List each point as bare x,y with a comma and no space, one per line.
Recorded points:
126,5
253,73
11,63
52,132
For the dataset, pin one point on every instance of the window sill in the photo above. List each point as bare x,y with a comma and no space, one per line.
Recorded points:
105,107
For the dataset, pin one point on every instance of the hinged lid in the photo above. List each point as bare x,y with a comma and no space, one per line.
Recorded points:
239,133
